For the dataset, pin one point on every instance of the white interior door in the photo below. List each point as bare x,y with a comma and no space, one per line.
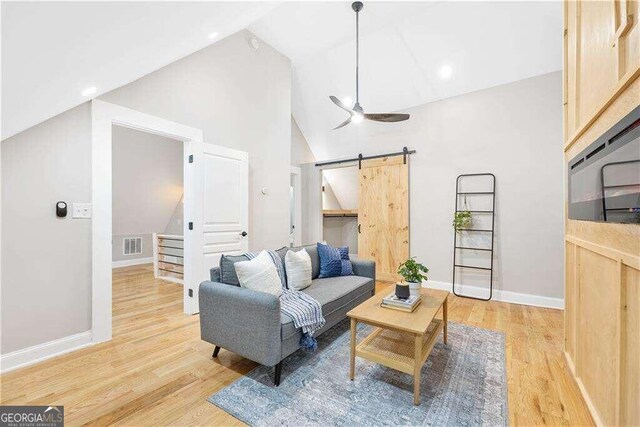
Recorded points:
219,212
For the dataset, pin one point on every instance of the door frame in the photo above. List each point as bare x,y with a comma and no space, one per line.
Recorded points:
296,173
103,116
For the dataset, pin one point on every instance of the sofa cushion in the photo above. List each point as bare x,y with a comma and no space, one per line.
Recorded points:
312,250
332,293
228,271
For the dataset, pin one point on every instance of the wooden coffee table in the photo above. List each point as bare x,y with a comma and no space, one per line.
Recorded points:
401,341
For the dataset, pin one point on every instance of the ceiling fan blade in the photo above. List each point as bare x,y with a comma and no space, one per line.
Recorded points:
343,124
340,104
387,117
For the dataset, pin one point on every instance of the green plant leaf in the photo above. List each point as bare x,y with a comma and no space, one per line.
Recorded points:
411,271
461,220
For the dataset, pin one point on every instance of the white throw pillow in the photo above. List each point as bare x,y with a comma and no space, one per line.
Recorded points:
298,266
259,274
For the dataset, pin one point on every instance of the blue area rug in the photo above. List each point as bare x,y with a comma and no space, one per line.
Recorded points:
462,384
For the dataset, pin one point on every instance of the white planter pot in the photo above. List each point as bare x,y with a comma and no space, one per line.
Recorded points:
414,288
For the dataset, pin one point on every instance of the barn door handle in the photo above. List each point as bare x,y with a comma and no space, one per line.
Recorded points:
243,234
358,228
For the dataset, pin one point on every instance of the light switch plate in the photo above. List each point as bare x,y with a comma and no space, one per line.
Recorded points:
82,210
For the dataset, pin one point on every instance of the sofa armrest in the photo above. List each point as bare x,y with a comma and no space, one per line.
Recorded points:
364,268
240,320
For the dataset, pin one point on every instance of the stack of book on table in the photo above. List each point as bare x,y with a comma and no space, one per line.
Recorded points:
408,305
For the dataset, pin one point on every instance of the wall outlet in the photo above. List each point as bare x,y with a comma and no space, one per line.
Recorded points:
82,210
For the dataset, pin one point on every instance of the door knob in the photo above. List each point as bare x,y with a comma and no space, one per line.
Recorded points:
243,234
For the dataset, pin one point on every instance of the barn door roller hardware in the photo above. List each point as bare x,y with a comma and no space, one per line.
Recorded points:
404,153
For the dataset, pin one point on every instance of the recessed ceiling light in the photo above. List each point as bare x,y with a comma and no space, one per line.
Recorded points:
445,72
89,91
347,101
213,36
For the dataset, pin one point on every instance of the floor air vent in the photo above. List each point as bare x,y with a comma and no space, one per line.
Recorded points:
131,245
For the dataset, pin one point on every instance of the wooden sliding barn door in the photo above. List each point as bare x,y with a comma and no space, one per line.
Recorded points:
383,214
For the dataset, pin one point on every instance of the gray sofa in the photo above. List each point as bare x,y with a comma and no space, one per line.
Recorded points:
250,323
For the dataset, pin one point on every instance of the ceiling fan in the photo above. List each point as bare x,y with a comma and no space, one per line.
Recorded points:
357,114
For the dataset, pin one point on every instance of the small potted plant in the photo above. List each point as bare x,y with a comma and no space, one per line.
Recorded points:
413,273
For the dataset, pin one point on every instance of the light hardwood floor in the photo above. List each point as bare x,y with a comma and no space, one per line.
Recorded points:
157,371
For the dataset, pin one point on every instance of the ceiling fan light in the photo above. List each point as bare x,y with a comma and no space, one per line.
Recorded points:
89,91
357,118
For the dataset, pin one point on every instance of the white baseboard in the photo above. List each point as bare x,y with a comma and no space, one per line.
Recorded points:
130,262
499,295
41,352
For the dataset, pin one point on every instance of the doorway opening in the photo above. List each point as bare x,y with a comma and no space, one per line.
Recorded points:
147,225
104,116
365,205
340,207
211,173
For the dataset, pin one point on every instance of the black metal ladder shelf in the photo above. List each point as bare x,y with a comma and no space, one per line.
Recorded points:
457,247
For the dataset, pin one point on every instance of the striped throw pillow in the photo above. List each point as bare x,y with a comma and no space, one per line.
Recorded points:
334,261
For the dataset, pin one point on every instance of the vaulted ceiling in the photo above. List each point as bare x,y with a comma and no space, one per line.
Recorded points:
403,47
52,51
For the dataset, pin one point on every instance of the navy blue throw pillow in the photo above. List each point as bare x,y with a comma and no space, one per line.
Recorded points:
334,261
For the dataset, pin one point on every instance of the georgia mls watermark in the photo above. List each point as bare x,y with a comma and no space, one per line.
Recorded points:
31,416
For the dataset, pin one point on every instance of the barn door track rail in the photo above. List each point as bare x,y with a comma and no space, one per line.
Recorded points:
405,152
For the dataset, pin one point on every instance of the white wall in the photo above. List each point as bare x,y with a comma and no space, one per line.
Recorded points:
300,151
240,97
329,199
341,231
46,261
311,178
345,183
176,222
513,131
147,186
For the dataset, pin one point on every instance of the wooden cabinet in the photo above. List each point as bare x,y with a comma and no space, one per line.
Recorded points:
602,55
602,274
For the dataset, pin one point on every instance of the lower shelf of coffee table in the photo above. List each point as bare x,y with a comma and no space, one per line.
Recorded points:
396,349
